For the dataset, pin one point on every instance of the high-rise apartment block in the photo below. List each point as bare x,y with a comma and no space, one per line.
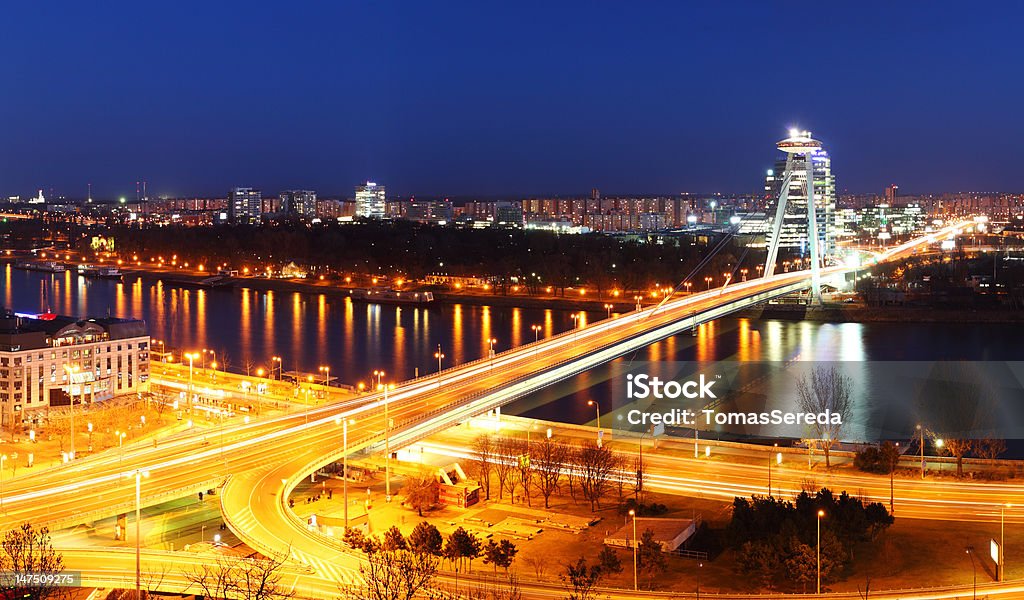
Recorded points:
371,201
245,206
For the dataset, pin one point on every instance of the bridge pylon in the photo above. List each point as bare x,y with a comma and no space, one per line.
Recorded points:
798,143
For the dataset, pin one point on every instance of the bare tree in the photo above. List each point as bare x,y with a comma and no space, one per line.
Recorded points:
483,458
597,464
26,552
524,468
990,448
549,462
957,405
238,577
639,477
505,465
421,491
394,575
827,391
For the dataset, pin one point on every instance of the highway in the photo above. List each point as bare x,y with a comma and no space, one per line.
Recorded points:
267,457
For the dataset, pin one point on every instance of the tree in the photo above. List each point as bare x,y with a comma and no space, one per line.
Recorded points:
957,403
393,540
650,557
500,554
760,561
639,476
421,492
240,577
827,391
596,465
354,537
524,468
426,539
394,575
580,579
27,551
608,561
461,546
483,458
989,448
549,463
504,465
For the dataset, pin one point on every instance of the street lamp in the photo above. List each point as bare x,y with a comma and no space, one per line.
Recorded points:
344,461
778,461
90,436
326,370
921,432
72,371
139,474
536,332
280,367
608,307
1002,539
708,281
974,568
191,356
597,407
490,352
821,514
575,325
387,435
3,458
440,357
632,513
120,449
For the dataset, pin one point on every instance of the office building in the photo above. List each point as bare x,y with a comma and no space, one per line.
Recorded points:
793,234
300,203
245,206
47,359
371,201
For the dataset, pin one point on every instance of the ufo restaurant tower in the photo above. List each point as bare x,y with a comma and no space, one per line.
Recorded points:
804,207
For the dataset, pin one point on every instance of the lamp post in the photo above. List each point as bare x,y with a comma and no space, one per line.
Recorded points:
632,513
700,566
892,473
778,460
387,437
921,430
490,352
139,474
120,448
536,332
597,407
280,367
326,370
72,371
708,281
3,458
1002,539
974,569
821,514
344,462
440,357
576,326
608,307
191,356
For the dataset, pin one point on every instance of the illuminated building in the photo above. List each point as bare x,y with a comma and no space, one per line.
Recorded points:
371,201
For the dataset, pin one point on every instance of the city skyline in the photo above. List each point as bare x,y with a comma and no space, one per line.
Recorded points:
454,102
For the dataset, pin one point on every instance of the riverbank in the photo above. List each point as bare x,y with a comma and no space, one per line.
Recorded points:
881,314
830,313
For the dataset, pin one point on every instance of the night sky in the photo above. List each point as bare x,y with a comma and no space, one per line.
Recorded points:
464,98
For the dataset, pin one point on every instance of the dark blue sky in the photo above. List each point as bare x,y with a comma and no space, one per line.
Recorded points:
461,98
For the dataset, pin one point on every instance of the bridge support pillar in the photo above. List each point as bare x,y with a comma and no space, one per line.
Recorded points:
121,528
